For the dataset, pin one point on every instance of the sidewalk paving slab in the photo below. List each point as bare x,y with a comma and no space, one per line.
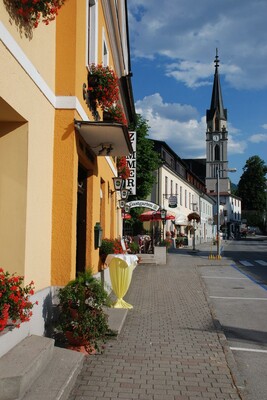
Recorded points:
170,347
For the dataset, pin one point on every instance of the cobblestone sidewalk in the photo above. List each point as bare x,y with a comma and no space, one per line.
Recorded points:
168,349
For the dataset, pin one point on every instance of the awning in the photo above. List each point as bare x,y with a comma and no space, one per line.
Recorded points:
155,216
105,139
181,220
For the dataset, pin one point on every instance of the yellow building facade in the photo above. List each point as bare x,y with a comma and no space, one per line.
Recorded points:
55,183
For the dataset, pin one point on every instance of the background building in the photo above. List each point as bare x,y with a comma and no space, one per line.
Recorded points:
174,178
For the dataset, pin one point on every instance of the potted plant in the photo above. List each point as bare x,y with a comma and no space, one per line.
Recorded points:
15,304
165,243
34,11
81,318
134,247
114,113
103,85
109,246
122,166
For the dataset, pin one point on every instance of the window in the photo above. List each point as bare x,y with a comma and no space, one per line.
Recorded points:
171,187
185,198
166,186
92,32
105,51
181,196
176,189
190,201
217,153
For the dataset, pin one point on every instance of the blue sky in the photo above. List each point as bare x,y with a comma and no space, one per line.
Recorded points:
173,46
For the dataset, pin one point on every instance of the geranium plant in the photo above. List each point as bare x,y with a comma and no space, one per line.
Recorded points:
110,246
82,318
103,85
115,113
15,304
123,169
34,11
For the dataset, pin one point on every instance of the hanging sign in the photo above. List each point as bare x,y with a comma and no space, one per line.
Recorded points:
130,183
172,201
143,204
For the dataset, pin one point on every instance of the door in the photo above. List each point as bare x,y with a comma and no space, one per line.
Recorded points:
81,220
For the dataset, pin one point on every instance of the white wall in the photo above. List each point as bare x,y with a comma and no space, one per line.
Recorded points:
187,194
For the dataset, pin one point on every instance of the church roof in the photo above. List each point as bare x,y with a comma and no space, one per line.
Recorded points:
216,104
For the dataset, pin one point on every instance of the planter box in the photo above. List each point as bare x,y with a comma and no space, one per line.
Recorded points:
160,254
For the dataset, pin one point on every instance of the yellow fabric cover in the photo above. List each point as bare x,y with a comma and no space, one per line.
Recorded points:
121,276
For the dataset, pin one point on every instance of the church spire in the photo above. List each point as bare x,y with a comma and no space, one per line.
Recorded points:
216,104
216,137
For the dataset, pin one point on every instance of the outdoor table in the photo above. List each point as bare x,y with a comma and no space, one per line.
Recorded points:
121,267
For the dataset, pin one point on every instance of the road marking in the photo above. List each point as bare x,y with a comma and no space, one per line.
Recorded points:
246,263
223,277
261,262
245,349
249,277
239,298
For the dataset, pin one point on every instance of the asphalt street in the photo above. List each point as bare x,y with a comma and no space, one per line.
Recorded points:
238,295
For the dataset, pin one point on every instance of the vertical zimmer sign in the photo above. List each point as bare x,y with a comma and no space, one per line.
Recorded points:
130,183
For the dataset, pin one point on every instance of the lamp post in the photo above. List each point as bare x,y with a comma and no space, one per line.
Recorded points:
218,206
163,214
122,203
118,182
194,226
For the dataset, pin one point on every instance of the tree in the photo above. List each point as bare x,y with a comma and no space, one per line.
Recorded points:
147,160
251,188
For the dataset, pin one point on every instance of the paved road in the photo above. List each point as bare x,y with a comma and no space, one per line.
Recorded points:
250,256
239,297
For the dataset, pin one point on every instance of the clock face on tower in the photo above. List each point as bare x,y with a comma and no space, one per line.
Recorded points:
216,138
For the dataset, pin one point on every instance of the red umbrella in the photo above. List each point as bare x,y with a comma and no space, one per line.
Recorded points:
154,216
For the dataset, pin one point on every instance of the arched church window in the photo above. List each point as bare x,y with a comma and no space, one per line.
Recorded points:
217,153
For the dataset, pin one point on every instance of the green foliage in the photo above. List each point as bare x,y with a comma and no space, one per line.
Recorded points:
134,247
110,246
165,243
15,301
233,188
147,160
252,185
81,304
107,247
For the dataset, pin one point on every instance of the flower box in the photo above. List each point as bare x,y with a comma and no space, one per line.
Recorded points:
34,11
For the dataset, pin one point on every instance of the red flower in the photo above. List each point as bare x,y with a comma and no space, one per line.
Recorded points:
34,11
105,88
14,299
123,169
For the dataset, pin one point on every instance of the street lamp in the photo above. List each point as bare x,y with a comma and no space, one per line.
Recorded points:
194,226
124,196
118,182
218,206
163,214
